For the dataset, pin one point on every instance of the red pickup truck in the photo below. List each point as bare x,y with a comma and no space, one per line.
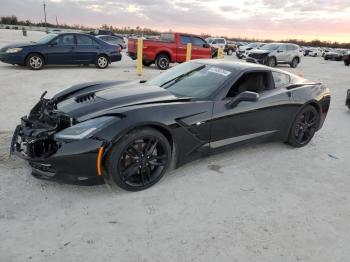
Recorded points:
170,48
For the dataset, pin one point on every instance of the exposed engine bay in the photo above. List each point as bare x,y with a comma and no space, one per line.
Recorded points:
35,134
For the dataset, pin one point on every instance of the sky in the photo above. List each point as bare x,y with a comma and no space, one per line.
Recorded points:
262,19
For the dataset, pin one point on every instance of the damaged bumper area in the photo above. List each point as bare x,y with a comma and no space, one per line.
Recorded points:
50,158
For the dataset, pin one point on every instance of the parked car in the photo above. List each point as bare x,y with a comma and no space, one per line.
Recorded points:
275,54
347,58
241,51
347,101
170,48
61,49
130,134
230,47
113,40
336,55
217,42
315,52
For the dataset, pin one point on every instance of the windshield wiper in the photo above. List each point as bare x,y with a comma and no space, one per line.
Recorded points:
180,77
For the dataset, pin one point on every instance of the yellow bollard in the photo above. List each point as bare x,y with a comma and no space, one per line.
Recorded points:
139,56
220,53
188,53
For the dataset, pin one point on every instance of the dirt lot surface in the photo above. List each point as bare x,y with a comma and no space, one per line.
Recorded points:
266,202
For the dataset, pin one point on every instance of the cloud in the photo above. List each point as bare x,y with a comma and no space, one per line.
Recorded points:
274,19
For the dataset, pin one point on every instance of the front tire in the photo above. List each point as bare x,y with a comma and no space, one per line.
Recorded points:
271,62
294,63
102,62
304,127
346,63
139,160
163,62
35,61
229,52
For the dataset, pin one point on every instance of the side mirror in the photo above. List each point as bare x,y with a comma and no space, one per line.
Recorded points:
206,45
246,96
279,51
52,44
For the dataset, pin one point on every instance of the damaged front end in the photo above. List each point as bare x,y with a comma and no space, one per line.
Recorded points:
37,140
34,137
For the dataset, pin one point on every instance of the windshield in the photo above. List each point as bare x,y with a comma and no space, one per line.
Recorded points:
46,39
192,79
270,47
252,45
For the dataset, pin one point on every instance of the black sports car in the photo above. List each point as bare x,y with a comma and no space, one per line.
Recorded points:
130,133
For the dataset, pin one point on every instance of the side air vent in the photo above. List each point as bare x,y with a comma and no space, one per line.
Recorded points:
85,98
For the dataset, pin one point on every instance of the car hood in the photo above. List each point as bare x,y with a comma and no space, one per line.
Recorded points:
111,98
26,44
258,51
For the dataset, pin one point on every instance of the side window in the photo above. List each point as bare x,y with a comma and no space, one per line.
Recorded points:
221,41
282,48
280,79
65,40
185,39
84,40
253,82
198,41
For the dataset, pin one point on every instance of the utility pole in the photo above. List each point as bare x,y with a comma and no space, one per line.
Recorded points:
44,5
56,21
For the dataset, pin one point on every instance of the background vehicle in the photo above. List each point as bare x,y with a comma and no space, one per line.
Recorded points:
61,49
336,55
217,42
276,53
113,40
230,47
347,101
315,52
131,133
347,59
241,51
170,48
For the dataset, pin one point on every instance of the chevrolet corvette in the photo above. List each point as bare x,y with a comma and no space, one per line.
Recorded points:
129,134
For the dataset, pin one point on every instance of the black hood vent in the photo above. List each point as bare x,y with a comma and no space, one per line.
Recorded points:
85,98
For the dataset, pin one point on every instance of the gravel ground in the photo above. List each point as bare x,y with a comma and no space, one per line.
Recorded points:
265,202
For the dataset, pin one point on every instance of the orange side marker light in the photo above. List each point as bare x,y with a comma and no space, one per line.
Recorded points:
99,161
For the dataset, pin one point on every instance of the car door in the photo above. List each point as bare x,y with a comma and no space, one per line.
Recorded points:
182,47
61,50
282,53
269,117
87,49
200,48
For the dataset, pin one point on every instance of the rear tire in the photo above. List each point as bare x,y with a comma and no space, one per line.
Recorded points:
35,61
163,62
146,63
229,52
139,160
304,127
102,62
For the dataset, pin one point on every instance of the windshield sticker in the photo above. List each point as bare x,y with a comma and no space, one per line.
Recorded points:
219,71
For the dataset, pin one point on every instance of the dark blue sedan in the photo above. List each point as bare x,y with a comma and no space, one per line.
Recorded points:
62,49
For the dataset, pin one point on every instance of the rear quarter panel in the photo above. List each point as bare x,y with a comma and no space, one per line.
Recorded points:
315,94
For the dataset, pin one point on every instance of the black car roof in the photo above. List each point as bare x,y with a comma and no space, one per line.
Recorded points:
232,66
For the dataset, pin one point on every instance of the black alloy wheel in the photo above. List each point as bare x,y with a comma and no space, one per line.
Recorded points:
304,127
139,160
